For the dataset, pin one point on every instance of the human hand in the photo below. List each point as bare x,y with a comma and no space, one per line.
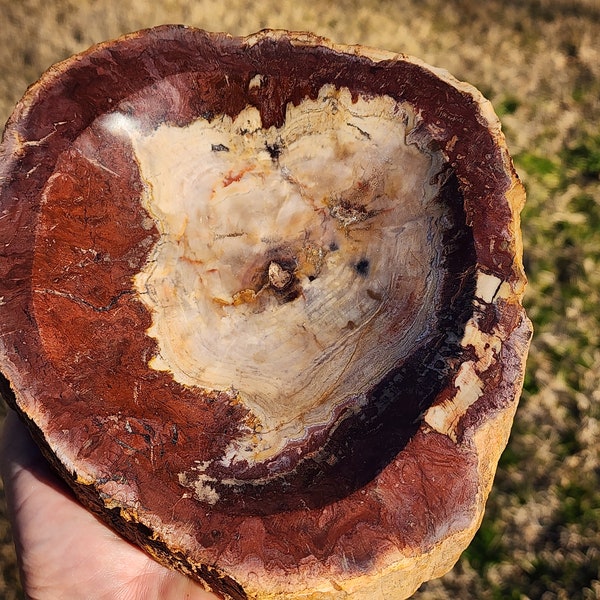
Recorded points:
64,551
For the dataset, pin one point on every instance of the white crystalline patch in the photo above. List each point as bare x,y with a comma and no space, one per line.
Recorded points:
121,124
200,484
444,417
337,194
487,287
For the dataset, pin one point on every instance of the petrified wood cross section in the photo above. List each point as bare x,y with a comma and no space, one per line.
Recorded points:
260,304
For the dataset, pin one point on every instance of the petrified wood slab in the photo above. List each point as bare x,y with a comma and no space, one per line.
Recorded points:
260,304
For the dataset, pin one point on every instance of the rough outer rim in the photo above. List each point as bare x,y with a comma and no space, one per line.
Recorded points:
465,431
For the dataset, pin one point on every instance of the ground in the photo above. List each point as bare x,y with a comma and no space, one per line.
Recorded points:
538,61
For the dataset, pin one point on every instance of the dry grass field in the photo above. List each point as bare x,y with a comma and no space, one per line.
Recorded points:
538,61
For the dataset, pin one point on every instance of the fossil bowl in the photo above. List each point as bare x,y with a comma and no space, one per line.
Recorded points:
261,304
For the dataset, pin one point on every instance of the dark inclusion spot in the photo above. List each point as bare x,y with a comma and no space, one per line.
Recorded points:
219,148
274,150
333,247
362,267
374,295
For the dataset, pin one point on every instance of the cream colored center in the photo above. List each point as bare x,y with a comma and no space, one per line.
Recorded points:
295,264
